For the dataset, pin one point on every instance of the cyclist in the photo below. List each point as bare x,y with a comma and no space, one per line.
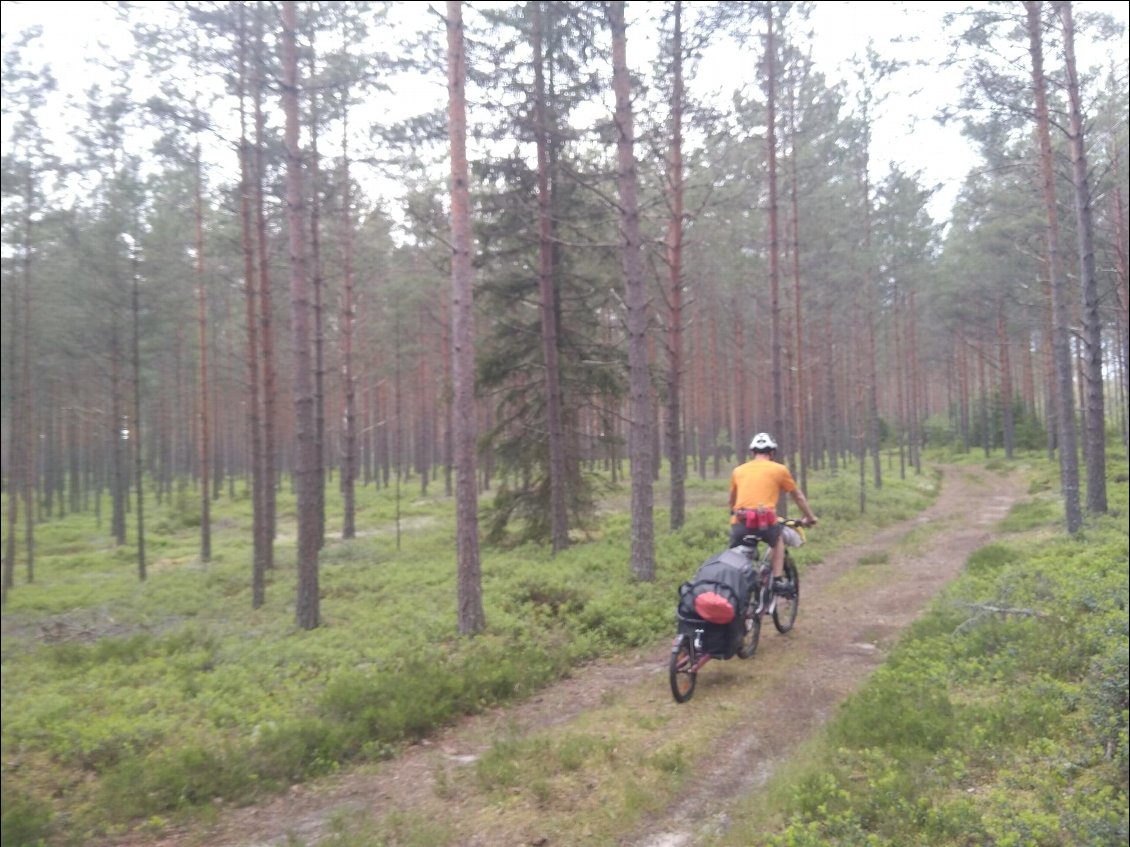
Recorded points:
755,488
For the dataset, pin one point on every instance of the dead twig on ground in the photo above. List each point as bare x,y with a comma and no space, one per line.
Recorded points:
983,610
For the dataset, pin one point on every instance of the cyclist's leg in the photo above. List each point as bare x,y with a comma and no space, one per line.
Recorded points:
773,536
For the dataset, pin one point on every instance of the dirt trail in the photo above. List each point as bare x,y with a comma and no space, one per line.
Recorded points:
851,613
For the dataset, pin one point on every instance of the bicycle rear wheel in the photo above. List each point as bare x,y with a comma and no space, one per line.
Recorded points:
683,675
748,645
785,609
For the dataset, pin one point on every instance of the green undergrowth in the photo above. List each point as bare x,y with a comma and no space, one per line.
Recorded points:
1001,717
130,704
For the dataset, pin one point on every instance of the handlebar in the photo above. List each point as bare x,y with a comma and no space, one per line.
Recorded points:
796,523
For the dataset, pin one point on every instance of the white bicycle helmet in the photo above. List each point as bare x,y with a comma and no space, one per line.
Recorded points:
763,441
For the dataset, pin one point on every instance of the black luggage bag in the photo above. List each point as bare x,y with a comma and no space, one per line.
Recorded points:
729,575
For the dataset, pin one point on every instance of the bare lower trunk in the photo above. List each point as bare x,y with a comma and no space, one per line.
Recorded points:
635,298
117,454
319,319
471,617
799,416
254,419
349,386
774,237
202,340
135,427
266,312
675,262
1094,438
1008,427
306,459
559,517
1061,349
1122,263
15,454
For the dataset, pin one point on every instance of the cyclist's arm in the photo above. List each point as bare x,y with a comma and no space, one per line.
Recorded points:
802,504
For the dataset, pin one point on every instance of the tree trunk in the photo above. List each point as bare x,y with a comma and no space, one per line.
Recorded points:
558,509
118,493
700,400
135,428
871,420
319,316
717,407
675,296
901,386
835,423
27,387
741,436
1094,436
448,410
202,337
800,386
964,395
424,424
1047,360
635,298
1121,265
16,453
349,386
862,407
1008,426
254,420
915,390
306,462
266,311
983,384
774,237
1061,349
470,600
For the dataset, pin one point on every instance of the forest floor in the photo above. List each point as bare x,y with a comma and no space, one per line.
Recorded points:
854,604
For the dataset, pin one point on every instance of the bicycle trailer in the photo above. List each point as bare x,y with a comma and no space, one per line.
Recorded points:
712,604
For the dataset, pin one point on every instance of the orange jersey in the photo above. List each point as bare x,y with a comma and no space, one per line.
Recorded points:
759,483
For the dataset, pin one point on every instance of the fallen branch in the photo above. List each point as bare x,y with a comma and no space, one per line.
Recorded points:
1000,610
984,609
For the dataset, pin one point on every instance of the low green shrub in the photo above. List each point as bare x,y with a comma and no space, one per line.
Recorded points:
174,778
1033,514
293,751
990,559
895,711
25,821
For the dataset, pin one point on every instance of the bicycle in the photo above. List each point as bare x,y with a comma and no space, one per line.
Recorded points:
698,640
781,605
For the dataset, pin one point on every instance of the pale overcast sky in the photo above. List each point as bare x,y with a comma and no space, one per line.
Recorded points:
905,130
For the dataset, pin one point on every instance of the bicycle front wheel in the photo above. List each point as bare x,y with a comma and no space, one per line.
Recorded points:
683,674
785,609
